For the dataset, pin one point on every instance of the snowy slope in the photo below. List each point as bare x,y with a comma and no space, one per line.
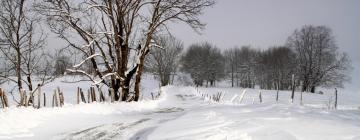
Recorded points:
184,113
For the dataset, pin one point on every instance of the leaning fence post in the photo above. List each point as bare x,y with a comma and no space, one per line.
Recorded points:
1,99
82,96
101,95
25,98
44,99
4,98
152,96
260,97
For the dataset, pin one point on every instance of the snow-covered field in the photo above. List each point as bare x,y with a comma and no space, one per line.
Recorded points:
187,113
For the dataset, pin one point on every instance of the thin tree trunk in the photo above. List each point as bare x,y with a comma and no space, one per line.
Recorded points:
293,88
18,69
301,98
277,93
232,75
39,97
336,98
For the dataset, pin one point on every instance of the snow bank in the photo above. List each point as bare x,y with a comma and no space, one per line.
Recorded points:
183,113
18,122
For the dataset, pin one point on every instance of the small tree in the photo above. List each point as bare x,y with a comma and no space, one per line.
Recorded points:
231,64
204,62
163,60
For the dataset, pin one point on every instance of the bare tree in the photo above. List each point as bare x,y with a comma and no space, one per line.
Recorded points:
318,58
240,64
275,67
24,44
109,33
231,57
246,61
270,69
163,61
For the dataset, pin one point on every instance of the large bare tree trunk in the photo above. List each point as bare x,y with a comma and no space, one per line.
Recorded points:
138,78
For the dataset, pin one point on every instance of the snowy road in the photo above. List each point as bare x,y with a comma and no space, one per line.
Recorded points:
182,114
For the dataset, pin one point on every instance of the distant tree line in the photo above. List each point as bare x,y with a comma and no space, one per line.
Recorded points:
310,54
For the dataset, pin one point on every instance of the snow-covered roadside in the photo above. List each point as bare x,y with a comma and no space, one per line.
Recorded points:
182,113
20,122
255,121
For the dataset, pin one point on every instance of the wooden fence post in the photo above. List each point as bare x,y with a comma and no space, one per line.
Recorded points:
82,96
93,94
25,98
1,99
260,97
53,99
78,95
44,99
4,99
101,95
88,96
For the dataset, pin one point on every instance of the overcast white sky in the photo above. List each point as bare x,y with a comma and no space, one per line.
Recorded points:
264,23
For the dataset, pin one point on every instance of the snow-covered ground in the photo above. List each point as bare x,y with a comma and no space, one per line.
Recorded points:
187,113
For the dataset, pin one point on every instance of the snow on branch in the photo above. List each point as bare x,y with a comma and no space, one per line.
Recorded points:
154,44
88,45
82,72
107,75
100,33
82,62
